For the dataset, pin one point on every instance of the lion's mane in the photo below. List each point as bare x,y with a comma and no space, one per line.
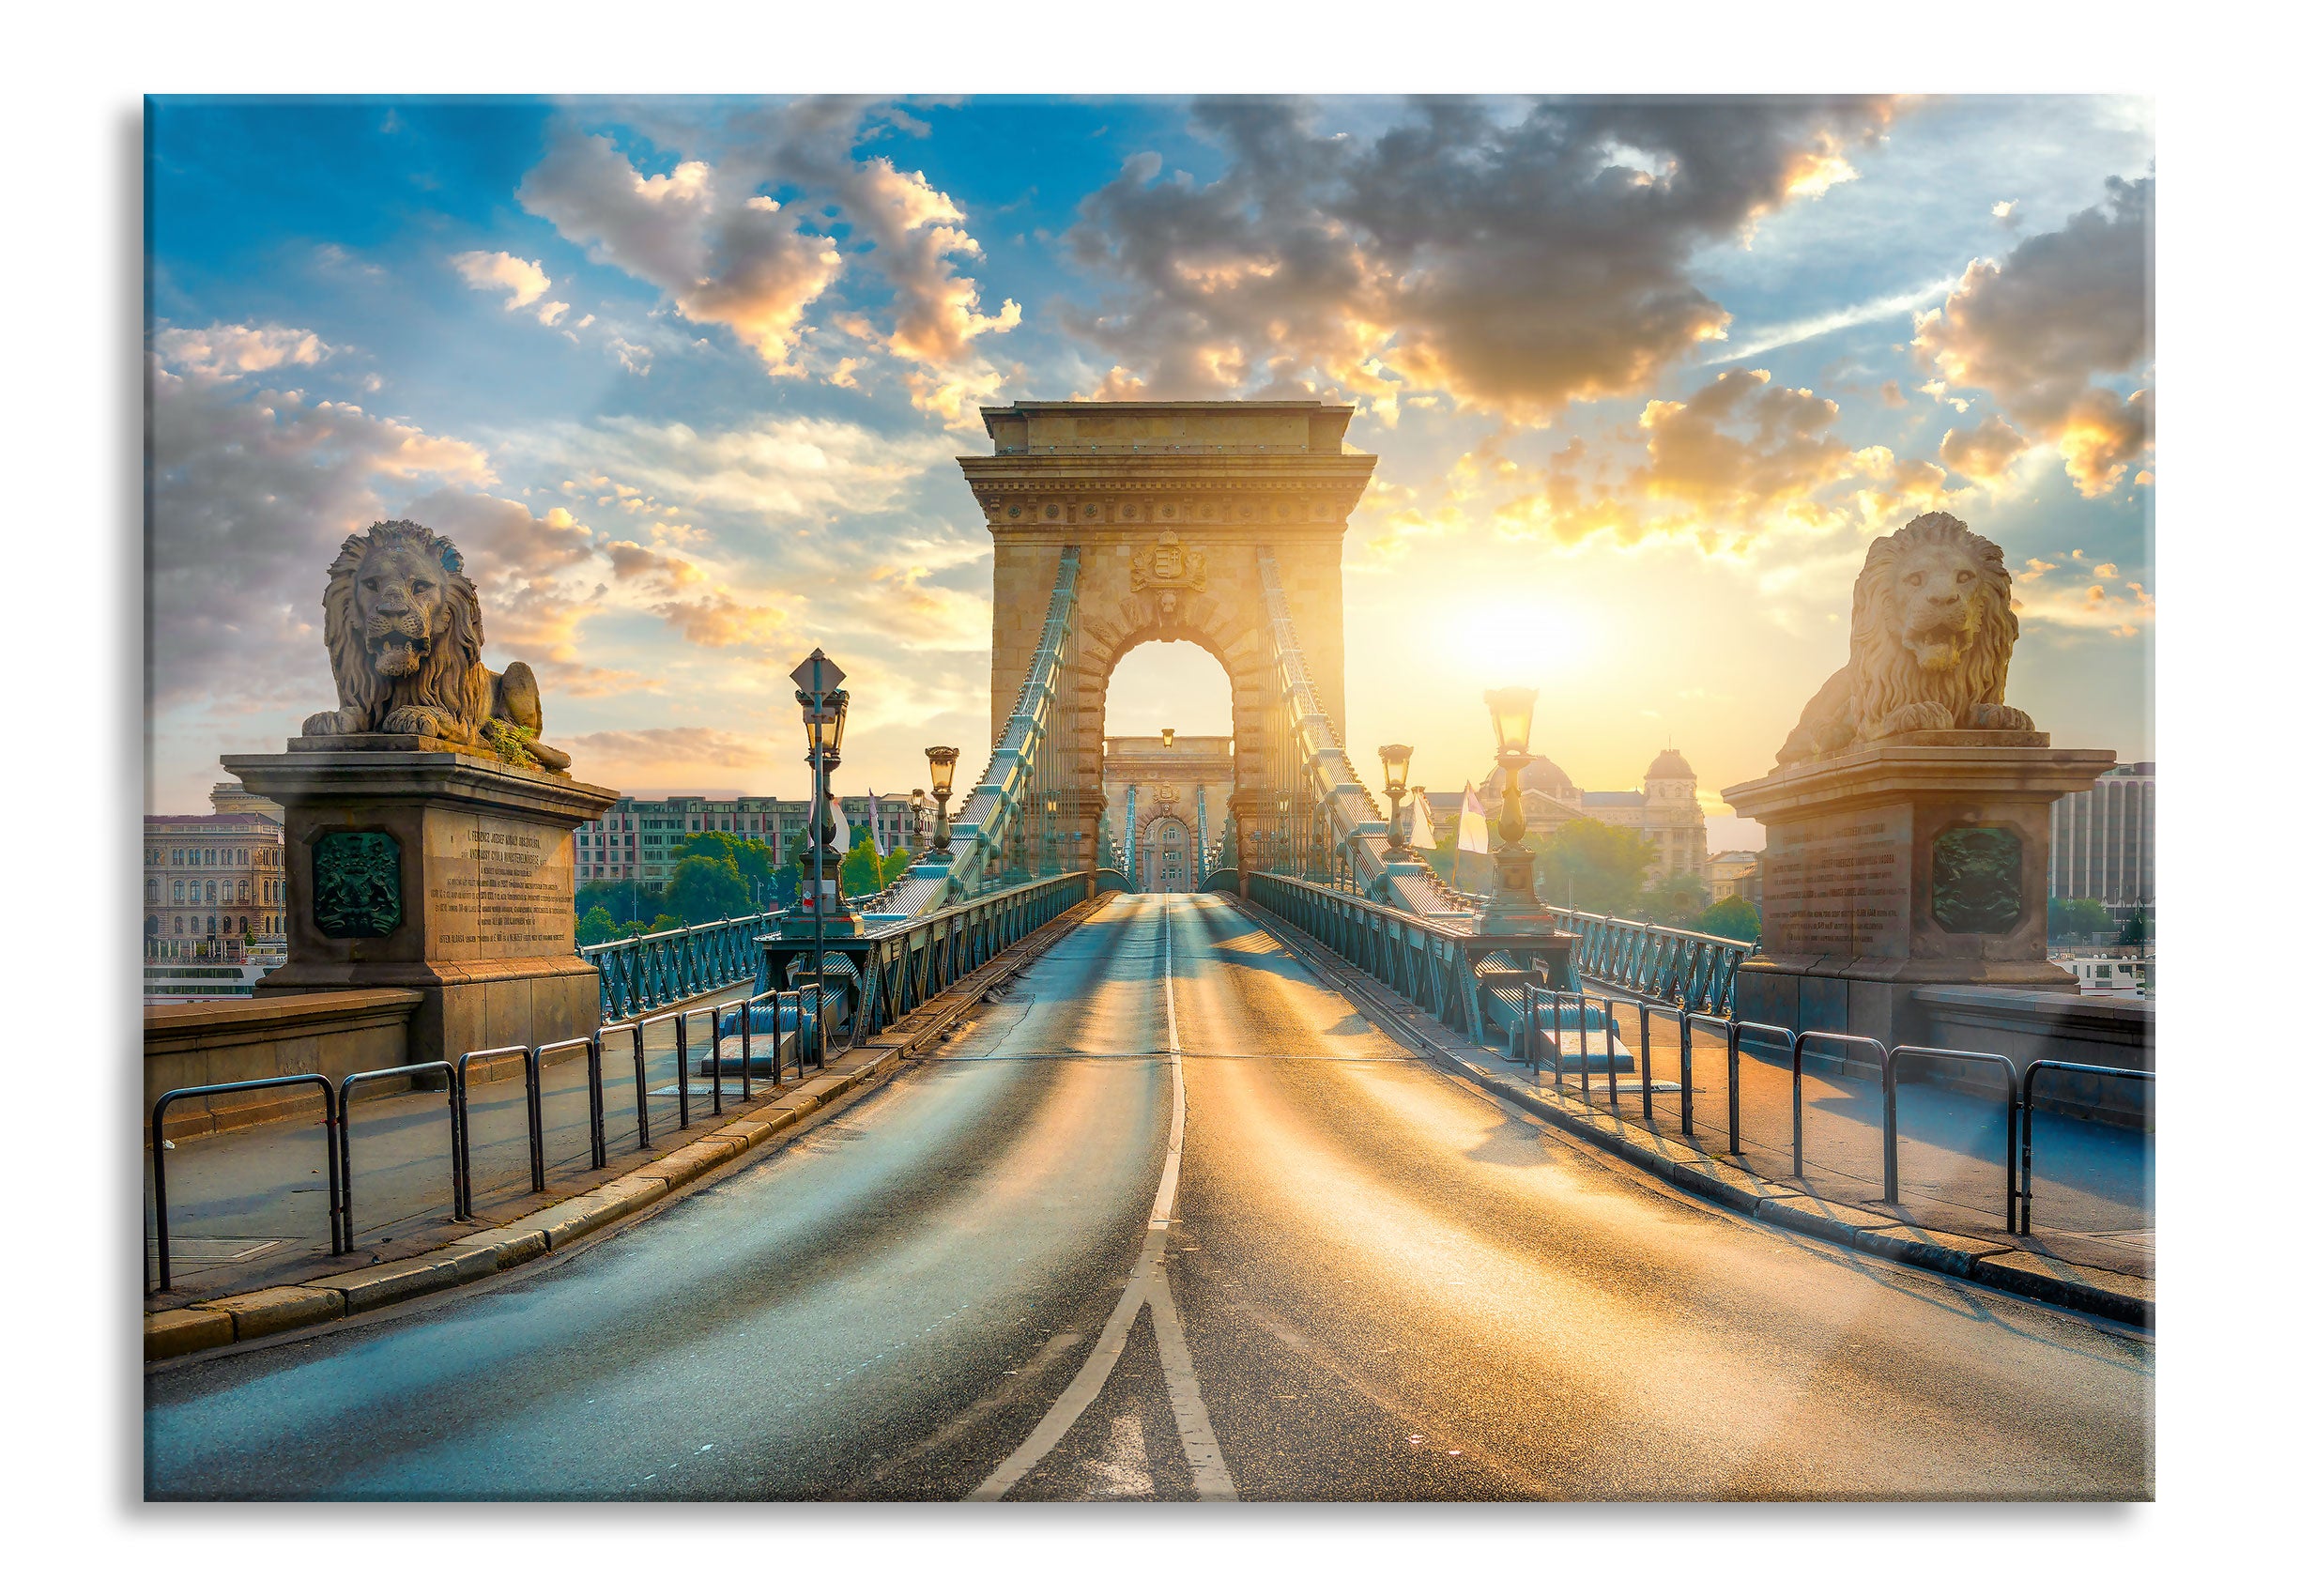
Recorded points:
1887,676
1884,688
451,682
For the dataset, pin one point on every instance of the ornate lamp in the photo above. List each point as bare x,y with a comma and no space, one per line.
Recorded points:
823,710
1395,757
1514,906
941,764
1167,732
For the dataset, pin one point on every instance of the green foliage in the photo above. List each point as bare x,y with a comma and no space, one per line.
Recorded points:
2137,930
753,861
861,871
2076,917
1595,867
705,888
595,926
1735,917
513,744
1674,901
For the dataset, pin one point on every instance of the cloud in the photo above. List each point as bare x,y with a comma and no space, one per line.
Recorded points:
252,491
1984,453
688,759
229,349
2063,310
1515,261
525,280
1762,340
1740,462
780,467
741,262
2080,605
745,262
691,599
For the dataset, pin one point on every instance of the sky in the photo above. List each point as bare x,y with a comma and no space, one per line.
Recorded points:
684,379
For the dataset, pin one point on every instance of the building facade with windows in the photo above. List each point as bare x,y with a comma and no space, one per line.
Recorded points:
2103,840
1666,811
214,884
638,840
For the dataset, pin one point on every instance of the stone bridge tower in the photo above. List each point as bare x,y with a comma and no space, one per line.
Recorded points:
1169,505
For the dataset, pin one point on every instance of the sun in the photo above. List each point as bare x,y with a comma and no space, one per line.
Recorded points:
1520,641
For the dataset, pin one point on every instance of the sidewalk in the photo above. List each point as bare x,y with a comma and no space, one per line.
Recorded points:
2094,1202
248,1208
2094,1246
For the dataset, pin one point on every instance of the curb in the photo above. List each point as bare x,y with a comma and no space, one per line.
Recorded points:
224,1321
1689,1169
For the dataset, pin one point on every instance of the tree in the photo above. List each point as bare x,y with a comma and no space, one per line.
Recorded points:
704,888
861,872
2135,931
753,861
2072,917
1735,917
1595,867
1674,900
597,926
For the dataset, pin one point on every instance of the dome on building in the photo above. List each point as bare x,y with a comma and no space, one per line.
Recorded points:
1543,775
1668,765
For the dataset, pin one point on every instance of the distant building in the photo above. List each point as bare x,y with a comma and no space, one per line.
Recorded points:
2103,841
1736,872
1666,811
639,838
213,880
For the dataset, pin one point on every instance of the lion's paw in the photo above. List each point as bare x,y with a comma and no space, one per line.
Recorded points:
1997,717
1927,716
413,720
327,723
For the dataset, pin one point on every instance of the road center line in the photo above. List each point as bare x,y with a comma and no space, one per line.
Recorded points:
1209,1474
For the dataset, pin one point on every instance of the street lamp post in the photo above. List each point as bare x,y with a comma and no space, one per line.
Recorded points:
918,818
1047,864
1396,757
941,764
1514,905
822,704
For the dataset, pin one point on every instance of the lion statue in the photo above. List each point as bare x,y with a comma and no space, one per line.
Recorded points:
1933,634
404,635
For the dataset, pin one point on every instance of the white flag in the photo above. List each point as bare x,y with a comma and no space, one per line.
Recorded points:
1421,831
1472,837
878,835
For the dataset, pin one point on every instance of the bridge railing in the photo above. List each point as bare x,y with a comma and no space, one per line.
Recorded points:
996,813
643,973
1471,982
1322,773
902,966
1686,969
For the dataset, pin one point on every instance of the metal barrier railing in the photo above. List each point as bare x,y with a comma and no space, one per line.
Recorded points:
533,1079
639,1068
1797,1082
338,1218
457,1131
595,1079
1892,1116
2028,1114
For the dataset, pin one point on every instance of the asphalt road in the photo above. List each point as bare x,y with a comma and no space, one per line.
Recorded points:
1343,1275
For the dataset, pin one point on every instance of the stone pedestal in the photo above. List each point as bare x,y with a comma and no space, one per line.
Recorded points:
1917,861
413,864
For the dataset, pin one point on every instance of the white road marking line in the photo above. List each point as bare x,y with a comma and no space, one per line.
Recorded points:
1209,1474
